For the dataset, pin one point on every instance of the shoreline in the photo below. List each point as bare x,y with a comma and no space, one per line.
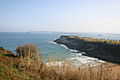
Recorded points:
100,50
82,59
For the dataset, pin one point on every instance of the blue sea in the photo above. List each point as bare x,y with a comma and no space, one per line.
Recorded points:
44,41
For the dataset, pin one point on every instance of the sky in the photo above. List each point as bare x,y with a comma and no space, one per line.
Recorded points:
60,15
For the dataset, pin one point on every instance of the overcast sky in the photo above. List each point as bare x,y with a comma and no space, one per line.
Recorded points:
60,15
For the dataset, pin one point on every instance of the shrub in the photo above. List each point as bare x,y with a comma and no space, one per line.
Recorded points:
1,48
27,50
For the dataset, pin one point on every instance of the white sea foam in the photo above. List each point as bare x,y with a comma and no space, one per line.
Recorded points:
74,51
78,58
56,63
52,42
60,44
64,46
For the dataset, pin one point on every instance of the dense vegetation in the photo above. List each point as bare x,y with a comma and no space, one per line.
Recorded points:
29,66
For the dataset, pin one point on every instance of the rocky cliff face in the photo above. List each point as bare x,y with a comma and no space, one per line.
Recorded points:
101,50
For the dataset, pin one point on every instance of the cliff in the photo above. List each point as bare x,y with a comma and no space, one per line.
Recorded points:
107,50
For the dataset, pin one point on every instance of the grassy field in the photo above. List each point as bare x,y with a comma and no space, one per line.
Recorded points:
31,67
96,40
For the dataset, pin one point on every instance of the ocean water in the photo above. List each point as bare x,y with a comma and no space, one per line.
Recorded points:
44,40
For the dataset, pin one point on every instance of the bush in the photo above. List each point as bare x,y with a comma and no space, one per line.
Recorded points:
1,48
27,50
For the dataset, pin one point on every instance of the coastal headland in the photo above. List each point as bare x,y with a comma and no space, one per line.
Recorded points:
107,50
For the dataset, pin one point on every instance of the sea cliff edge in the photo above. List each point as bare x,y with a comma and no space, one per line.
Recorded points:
107,50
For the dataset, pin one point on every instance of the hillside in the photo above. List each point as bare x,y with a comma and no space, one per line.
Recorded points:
107,50
30,67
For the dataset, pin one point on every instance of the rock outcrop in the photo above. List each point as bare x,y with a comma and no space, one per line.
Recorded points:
102,50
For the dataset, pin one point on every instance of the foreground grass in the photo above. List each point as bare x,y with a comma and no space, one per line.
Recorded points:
7,69
32,68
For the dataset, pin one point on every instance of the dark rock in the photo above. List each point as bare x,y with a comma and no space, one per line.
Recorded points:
100,50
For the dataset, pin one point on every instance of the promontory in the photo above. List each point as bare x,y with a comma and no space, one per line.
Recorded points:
107,50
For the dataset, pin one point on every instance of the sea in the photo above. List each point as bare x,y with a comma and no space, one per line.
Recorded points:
49,49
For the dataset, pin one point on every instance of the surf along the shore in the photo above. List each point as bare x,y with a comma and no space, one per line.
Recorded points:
107,50
79,59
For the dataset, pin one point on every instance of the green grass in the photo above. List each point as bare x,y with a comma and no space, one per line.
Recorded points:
2,54
96,40
8,72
